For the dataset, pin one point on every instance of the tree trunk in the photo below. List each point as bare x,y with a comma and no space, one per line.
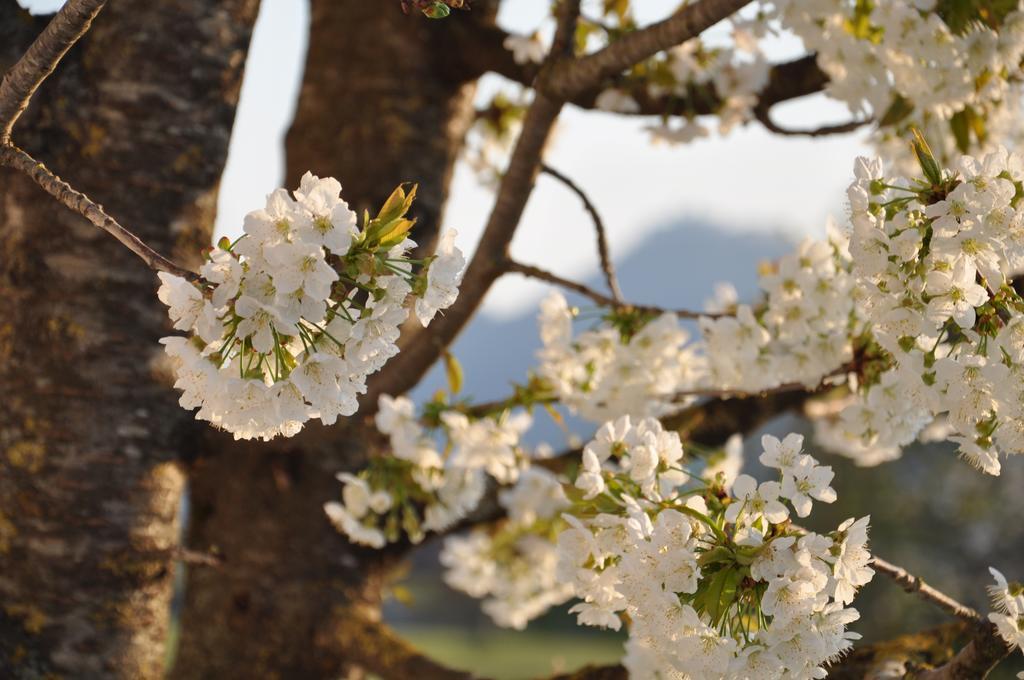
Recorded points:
138,116
385,99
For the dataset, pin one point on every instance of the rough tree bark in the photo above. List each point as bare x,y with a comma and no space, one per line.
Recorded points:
384,100
89,432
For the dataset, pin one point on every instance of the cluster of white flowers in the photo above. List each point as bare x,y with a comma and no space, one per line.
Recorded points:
801,332
286,323
933,259
427,490
609,370
1008,617
713,585
514,568
526,49
949,69
918,63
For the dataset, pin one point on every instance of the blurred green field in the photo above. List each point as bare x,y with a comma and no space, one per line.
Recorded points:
505,655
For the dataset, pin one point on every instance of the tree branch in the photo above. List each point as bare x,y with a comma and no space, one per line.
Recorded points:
786,81
570,78
13,157
762,113
482,50
598,297
914,584
373,646
607,267
42,57
421,349
974,660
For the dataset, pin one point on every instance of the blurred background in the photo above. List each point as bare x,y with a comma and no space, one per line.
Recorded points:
680,219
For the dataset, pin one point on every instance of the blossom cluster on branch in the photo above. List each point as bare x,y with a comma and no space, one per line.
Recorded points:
913,313
629,366
934,258
940,66
286,323
713,581
714,584
422,486
951,68
514,569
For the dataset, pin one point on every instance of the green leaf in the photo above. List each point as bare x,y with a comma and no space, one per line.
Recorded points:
438,10
713,595
403,595
390,224
924,156
729,586
453,369
397,204
899,109
717,554
960,125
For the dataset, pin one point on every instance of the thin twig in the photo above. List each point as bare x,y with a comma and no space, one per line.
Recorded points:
598,297
602,237
13,157
763,115
823,384
197,558
41,58
914,584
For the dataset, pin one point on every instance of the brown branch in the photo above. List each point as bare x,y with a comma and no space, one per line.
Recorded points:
570,78
914,584
762,112
422,348
13,157
615,672
607,267
975,660
482,50
373,646
42,57
598,297
786,80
